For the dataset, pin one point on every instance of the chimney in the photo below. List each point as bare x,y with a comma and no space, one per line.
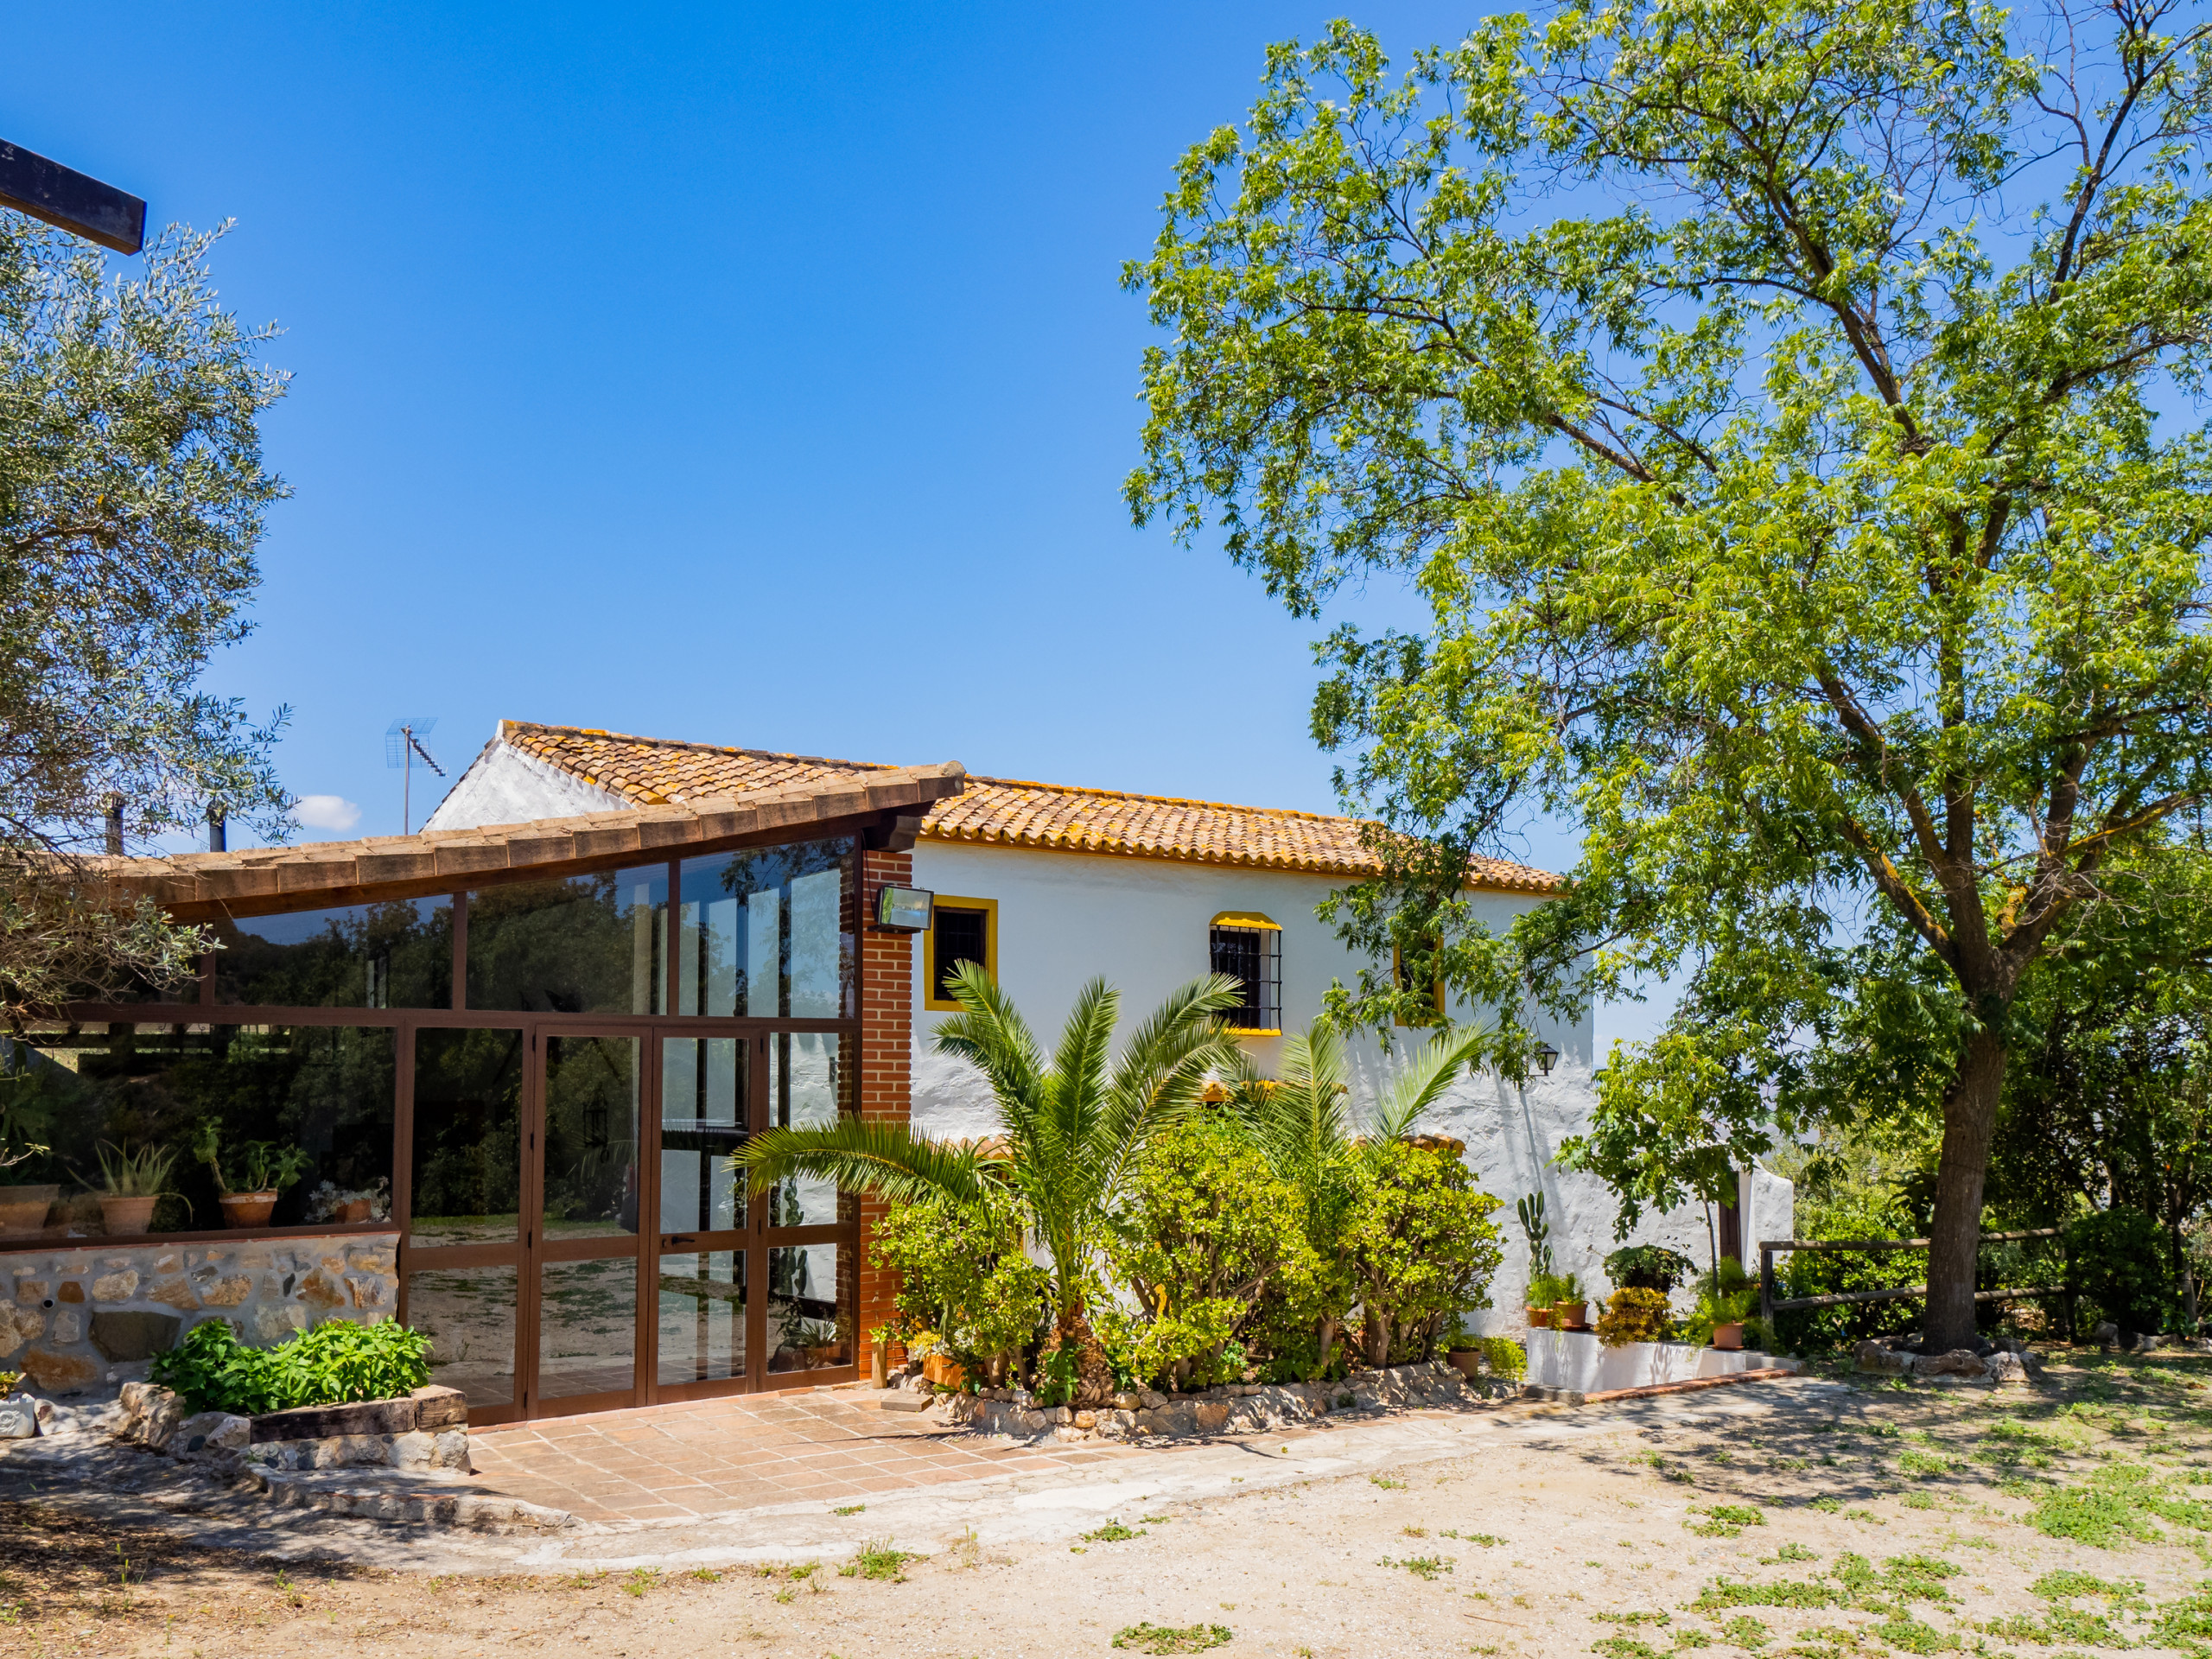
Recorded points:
217,830
115,826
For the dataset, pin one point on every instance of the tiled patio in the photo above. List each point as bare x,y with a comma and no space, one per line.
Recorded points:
668,1463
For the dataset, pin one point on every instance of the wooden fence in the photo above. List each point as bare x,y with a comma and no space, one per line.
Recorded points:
1769,1306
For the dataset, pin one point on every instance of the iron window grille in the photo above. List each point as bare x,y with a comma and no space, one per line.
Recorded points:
1253,956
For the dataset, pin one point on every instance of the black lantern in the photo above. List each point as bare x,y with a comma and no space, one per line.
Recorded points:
1546,1058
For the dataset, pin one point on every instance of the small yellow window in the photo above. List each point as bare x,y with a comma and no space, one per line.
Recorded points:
1247,947
961,929
1399,974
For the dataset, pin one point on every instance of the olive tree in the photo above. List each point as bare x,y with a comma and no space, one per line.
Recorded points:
1784,410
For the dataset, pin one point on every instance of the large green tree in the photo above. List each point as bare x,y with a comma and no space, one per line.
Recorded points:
1784,409
132,494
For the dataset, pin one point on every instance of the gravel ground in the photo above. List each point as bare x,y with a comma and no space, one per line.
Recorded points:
1808,1518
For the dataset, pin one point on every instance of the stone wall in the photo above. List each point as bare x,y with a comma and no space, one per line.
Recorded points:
84,1318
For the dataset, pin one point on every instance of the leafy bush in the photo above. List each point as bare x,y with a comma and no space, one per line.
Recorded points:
1505,1357
1423,1249
1634,1315
336,1362
1724,1296
1649,1267
1213,1247
964,1278
2119,1265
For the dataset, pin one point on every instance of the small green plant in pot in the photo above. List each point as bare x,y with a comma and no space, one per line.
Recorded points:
262,1167
1724,1300
1650,1267
131,1184
1570,1304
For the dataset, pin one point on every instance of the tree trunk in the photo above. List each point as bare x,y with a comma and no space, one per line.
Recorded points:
1094,1375
1955,1234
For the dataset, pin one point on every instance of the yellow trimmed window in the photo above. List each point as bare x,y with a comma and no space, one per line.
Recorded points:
1249,948
961,929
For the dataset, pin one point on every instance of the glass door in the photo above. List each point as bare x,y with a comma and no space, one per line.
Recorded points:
589,1333
706,1317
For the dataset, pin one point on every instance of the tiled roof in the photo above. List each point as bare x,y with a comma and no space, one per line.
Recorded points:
1003,811
194,885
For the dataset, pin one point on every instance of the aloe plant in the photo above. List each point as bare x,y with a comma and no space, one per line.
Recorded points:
141,1174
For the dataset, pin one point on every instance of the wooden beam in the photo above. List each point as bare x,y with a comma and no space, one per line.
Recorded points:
75,202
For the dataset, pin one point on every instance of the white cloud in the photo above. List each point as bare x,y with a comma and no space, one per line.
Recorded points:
327,812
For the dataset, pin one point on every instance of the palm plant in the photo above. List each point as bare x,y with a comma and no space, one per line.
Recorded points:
1071,1128
1299,1122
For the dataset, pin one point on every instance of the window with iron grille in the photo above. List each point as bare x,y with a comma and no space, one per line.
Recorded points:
955,936
1253,956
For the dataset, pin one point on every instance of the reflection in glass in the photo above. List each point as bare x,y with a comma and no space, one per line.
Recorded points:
701,1123
467,1154
468,1314
591,1136
767,934
591,944
806,1089
587,1328
810,1307
327,1089
702,1316
397,955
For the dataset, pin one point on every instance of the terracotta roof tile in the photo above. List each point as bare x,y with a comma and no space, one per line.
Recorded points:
1002,811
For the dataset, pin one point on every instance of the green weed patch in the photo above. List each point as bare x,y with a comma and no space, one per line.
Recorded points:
1172,1638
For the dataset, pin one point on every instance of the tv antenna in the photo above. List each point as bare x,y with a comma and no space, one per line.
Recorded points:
403,747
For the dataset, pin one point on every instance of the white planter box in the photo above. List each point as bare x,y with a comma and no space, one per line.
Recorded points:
1576,1360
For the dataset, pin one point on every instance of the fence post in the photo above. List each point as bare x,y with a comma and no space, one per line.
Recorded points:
1766,1288
2073,1331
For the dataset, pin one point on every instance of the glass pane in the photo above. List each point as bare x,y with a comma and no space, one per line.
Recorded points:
468,1314
810,1307
701,1123
389,955
702,1316
767,934
467,1161
591,1136
591,944
270,1090
587,1328
806,1087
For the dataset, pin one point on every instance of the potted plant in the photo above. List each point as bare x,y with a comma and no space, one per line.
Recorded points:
264,1169
1568,1305
1546,1288
938,1366
1650,1267
1724,1300
348,1206
22,1206
131,1184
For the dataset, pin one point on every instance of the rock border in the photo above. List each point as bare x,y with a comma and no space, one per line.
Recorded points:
1230,1409
425,1430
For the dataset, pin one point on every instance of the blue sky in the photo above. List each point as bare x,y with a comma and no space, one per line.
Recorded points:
733,375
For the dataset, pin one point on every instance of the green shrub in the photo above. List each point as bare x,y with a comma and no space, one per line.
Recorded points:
1724,1296
1634,1315
1423,1249
1213,1248
1506,1359
964,1278
336,1362
1649,1267
2119,1266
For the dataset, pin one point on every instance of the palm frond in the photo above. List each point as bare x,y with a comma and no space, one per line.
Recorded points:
1419,1087
868,1154
1160,1075
1079,1064
990,1034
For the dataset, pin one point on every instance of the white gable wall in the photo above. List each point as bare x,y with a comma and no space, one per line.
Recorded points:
505,785
1141,924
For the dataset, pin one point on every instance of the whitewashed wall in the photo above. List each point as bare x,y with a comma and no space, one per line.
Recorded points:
1065,918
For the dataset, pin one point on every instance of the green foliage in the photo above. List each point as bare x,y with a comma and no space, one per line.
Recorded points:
1505,1357
878,1560
964,1277
1421,1248
1172,1638
2119,1502
1633,1315
2119,1268
1787,416
1649,1267
1725,1520
1725,1295
260,1166
142,1174
132,503
330,1364
1211,1241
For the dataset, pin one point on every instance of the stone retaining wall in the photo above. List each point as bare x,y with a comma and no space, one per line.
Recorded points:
84,1318
1237,1408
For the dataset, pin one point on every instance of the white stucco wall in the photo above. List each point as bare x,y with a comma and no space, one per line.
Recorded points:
1065,918
503,785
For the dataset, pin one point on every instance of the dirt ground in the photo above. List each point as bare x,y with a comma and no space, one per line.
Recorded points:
1807,1519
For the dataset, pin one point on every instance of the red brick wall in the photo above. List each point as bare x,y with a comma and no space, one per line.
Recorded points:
886,1054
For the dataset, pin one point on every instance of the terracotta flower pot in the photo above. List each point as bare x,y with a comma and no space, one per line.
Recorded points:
120,1214
352,1210
1539,1319
1565,1315
940,1370
1728,1337
22,1208
248,1209
1469,1361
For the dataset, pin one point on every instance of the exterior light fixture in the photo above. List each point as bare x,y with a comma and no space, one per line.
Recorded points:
904,910
1547,1057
